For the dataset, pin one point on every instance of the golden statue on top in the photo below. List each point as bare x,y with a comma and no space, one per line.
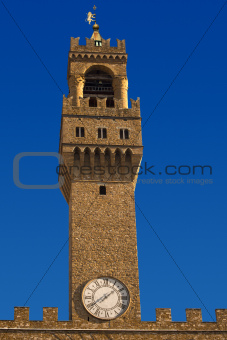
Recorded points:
91,17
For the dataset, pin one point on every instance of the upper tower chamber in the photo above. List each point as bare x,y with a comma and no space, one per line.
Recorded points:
98,71
98,129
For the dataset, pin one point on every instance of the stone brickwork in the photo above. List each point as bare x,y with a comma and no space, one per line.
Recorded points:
91,126
103,243
102,228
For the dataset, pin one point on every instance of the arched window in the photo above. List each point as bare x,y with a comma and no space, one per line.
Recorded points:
128,158
107,157
117,158
97,157
76,165
97,164
98,83
107,160
128,164
118,164
87,157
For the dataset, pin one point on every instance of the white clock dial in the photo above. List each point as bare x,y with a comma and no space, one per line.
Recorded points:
105,298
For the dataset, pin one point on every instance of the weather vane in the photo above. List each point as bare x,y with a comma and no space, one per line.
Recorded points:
91,17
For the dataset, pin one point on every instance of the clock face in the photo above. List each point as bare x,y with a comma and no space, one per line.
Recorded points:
105,298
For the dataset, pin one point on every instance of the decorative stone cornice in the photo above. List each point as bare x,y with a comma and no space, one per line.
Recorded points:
97,56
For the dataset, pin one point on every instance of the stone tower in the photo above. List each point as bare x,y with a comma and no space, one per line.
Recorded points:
101,146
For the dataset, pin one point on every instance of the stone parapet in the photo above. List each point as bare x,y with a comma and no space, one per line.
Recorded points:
101,109
50,326
90,47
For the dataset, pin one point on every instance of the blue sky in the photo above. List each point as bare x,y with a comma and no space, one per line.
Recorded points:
188,128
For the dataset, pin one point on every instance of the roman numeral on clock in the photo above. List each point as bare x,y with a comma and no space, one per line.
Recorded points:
87,297
124,298
105,284
90,305
90,289
97,284
122,306
97,312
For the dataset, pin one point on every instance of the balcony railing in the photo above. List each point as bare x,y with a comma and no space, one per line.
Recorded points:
98,89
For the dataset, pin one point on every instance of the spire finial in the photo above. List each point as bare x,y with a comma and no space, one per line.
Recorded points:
96,35
94,8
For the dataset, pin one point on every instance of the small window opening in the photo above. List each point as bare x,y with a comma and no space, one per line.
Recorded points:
102,133
102,190
124,134
110,102
88,319
79,132
93,102
98,43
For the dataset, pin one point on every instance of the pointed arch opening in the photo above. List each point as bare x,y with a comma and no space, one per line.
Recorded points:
107,155
128,163
76,164
128,157
98,84
107,162
97,160
87,158
118,156
118,161
97,163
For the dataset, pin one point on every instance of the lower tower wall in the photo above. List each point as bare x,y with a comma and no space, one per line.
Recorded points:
103,242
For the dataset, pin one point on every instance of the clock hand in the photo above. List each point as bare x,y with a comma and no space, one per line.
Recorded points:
99,300
102,298
105,297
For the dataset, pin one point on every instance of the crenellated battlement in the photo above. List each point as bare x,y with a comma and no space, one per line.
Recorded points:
50,328
163,321
101,110
75,46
